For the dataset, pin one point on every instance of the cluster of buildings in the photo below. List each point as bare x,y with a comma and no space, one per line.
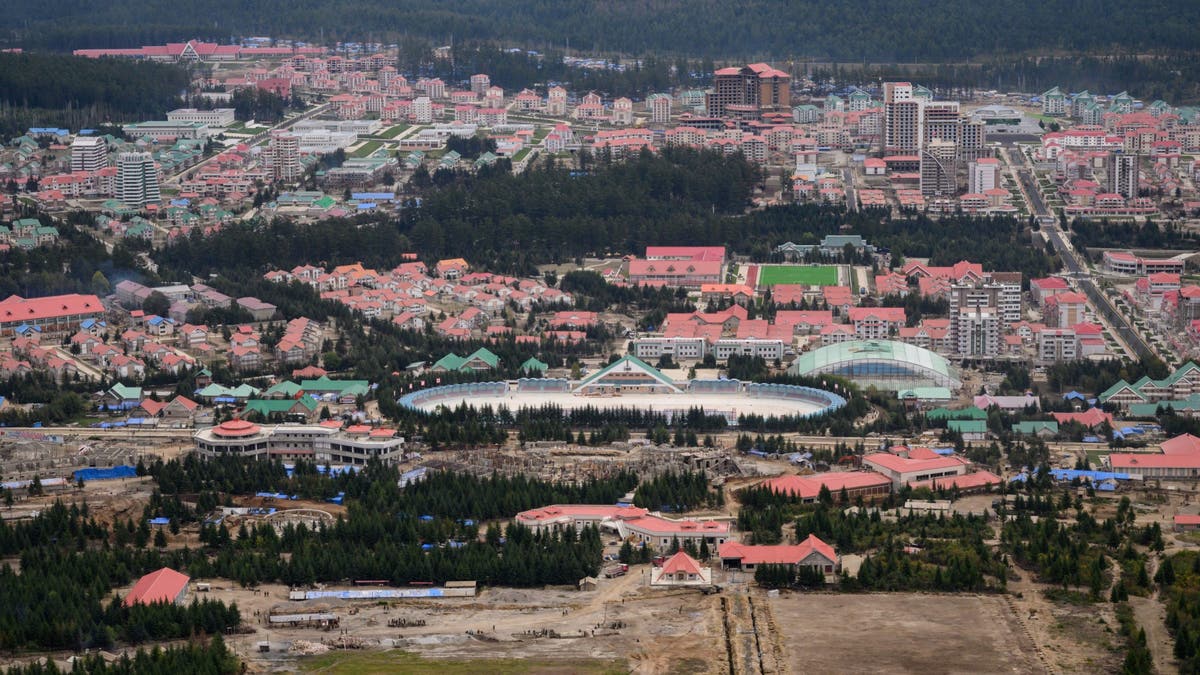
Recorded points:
1116,158
887,472
411,294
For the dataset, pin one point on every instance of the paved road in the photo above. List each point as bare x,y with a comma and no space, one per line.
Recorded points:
1076,269
252,141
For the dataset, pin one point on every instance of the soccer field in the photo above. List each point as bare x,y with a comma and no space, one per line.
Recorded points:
806,275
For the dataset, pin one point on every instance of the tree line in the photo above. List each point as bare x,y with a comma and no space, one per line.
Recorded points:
900,31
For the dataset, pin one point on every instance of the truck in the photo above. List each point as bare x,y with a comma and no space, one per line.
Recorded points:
618,570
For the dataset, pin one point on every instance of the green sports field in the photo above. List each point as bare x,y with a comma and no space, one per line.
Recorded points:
806,275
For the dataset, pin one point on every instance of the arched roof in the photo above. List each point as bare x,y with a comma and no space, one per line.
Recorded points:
898,360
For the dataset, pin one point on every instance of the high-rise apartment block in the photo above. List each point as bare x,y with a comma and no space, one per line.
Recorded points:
939,168
752,89
983,174
901,119
88,153
480,84
137,179
1123,175
660,108
284,156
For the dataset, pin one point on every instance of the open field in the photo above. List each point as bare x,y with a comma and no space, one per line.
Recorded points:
623,626
806,275
901,633
736,404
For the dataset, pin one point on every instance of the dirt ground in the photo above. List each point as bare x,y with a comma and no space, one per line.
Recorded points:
651,630
901,633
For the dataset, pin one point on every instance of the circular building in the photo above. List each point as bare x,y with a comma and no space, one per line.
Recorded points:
883,364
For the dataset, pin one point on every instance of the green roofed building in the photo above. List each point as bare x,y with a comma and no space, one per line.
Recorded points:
285,389
883,364
971,430
628,373
341,388
1179,385
480,359
534,366
1036,428
303,409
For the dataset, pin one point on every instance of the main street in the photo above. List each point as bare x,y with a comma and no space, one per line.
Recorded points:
1076,269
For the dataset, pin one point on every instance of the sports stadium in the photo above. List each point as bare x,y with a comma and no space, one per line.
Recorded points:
630,382
883,364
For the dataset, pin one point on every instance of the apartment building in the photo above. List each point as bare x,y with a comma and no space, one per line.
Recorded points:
757,87
137,179
89,153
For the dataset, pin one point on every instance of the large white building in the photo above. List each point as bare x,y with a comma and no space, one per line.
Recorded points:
983,174
314,443
166,129
422,110
217,117
137,179
89,153
977,330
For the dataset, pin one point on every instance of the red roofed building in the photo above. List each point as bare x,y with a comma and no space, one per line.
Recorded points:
876,323
52,314
627,522
165,585
681,569
756,88
812,552
1090,418
1179,459
971,482
867,484
903,470
685,273
1040,289
1186,523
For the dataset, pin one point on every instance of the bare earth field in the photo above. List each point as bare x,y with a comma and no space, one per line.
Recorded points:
623,626
901,633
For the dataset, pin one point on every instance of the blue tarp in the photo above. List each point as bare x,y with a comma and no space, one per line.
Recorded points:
121,471
1094,476
427,518
160,521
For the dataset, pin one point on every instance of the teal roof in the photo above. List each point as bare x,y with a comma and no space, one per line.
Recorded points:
450,361
324,384
870,359
483,355
533,365
926,394
266,407
967,426
126,392
1034,426
286,389
634,361
1165,383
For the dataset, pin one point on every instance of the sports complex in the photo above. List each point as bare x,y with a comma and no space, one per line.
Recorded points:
629,382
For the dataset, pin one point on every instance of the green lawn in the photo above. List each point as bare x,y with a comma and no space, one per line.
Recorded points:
398,661
394,131
807,275
366,149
